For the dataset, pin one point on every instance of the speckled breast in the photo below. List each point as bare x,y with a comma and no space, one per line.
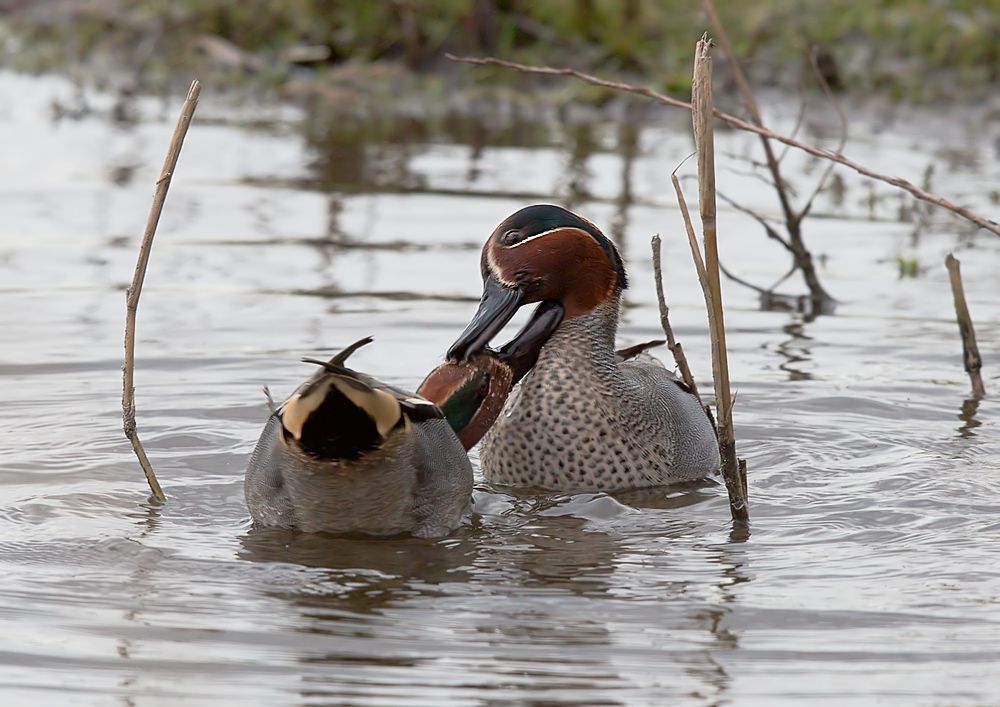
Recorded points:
586,428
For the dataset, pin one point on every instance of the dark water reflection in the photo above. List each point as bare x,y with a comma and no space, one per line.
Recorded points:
970,406
529,597
869,576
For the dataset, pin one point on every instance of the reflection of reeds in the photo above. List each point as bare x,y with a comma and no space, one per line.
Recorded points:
133,292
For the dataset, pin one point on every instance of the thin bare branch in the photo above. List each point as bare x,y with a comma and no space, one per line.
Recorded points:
744,158
799,120
739,124
133,292
755,288
843,135
675,348
751,175
586,78
771,233
803,258
791,271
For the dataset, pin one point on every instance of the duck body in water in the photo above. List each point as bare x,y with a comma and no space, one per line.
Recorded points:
346,453
585,418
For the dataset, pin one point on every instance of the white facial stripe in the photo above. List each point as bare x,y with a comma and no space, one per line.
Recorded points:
495,270
539,235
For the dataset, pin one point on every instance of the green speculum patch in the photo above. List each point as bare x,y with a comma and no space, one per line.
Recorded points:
462,405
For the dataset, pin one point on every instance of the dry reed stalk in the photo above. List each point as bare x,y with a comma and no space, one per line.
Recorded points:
133,292
701,115
699,264
739,124
970,351
675,348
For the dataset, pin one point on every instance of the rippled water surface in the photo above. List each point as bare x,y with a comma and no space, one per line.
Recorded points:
871,575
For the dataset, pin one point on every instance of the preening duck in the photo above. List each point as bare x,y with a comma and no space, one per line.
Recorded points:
585,417
346,453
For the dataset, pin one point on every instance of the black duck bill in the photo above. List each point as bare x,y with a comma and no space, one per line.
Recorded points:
546,254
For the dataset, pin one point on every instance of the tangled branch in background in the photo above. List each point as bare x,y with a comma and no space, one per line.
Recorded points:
739,124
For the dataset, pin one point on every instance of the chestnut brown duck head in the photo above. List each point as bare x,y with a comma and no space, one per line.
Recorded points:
585,417
540,253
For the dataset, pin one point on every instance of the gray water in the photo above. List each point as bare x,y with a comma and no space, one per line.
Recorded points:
871,574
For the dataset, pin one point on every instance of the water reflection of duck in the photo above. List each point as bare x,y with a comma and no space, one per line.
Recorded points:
583,419
346,453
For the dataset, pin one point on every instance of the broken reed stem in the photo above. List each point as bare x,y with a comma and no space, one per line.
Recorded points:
133,292
970,351
675,348
701,115
739,124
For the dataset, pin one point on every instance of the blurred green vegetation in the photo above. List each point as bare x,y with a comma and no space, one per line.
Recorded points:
876,44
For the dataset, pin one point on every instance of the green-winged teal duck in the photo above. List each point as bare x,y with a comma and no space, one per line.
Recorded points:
584,418
348,454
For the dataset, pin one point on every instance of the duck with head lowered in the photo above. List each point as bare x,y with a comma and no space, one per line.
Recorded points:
346,453
585,418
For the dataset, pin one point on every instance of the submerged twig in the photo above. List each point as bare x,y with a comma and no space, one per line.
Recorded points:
133,292
756,288
821,300
672,344
751,103
739,124
701,115
768,229
970,351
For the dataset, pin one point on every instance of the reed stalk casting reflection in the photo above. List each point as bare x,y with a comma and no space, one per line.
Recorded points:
733,469
133,292
704,140
970,351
